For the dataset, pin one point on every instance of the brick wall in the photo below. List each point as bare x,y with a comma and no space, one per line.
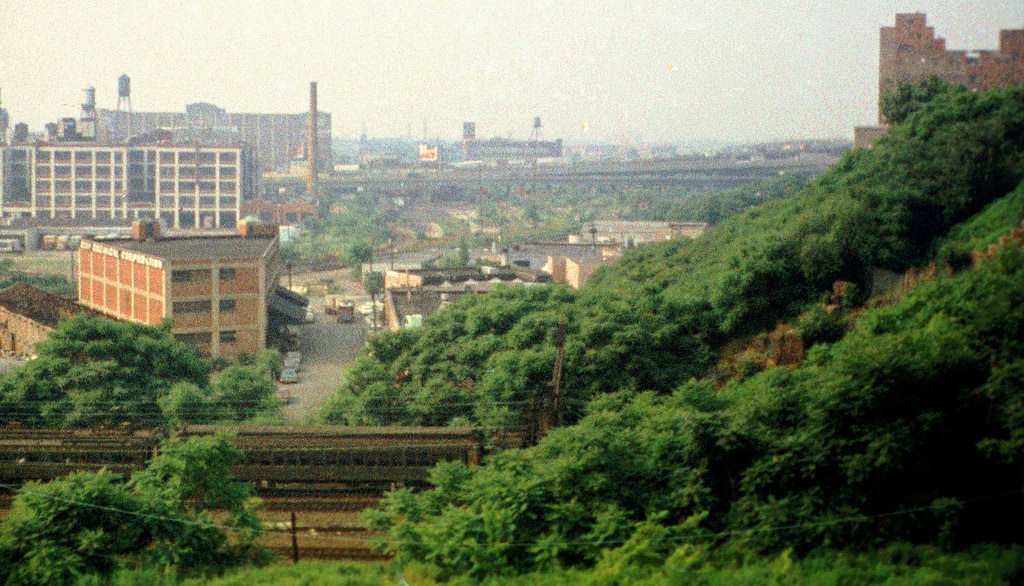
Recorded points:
910,52
19,334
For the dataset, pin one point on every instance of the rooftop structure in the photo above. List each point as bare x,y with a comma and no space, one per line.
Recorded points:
639,232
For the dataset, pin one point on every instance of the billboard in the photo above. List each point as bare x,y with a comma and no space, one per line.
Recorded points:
428,153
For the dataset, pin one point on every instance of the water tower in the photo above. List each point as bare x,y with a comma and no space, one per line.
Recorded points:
124,93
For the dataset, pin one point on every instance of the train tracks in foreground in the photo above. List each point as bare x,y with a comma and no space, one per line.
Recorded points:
324,475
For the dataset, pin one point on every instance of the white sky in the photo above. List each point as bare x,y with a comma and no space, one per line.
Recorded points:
601,71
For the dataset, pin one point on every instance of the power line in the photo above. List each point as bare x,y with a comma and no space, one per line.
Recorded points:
668,539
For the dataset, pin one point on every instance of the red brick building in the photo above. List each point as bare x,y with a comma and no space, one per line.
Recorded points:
28,314
220,292
910,52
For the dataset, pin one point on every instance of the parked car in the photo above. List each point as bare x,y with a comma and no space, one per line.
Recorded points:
289,376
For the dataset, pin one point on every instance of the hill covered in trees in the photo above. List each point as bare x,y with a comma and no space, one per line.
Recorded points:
663,313
902,423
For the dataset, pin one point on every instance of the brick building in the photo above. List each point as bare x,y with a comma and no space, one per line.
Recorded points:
28,315
290,212
910,52
220,292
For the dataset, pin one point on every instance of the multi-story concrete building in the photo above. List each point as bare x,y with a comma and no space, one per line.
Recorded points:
220,292
277,138
186,186
910,52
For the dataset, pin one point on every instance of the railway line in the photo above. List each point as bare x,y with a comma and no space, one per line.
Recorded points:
325,475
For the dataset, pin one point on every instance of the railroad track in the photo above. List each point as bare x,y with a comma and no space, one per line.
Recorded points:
326,475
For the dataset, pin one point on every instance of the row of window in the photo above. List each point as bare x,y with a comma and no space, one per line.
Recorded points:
135,156
225,305
196,275
102,186
203,338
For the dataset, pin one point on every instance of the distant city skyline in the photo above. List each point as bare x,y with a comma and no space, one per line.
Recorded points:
603,72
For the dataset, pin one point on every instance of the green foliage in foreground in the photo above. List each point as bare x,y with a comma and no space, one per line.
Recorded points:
894,565
910,427
92,523
93,371
982,229
662,314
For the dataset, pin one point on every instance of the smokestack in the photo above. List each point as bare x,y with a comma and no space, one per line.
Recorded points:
312,143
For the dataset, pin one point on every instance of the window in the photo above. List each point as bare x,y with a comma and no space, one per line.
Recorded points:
190,307
227,305
197,339
181,276
227,158
227,337
227,274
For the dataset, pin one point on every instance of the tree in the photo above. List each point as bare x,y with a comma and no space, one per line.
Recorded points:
240,392
92,522
97,371
908,98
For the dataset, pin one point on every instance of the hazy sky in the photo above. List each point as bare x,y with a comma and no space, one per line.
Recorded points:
603,71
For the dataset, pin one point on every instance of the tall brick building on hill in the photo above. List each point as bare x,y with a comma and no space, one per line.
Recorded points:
910,52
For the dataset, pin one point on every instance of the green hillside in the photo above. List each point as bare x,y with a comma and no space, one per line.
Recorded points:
664,312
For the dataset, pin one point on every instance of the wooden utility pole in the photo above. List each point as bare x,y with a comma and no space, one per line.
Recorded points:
546,410
554,416
295,541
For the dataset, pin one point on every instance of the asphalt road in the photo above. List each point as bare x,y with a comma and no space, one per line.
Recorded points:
327,349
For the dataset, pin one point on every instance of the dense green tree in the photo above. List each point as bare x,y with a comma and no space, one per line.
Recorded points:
91,523
240,392
97,371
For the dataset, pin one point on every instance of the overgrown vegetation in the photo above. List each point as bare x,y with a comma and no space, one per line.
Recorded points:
93,371
89,524
906,428
662,314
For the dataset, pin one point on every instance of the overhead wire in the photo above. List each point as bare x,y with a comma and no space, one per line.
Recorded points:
705,536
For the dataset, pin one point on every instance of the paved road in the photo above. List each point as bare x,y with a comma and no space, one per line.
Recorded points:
327,349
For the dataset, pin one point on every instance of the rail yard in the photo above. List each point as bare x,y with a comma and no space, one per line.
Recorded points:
321,476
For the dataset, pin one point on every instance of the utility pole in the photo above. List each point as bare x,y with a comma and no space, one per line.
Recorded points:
373,294
546,411
554,417
295,541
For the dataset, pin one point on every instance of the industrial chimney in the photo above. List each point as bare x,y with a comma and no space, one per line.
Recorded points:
312,143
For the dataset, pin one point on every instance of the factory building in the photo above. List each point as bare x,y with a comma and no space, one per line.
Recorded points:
220,292
186,186
505,150
277,138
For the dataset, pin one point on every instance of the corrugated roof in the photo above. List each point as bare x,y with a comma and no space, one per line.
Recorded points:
198,247
38,305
